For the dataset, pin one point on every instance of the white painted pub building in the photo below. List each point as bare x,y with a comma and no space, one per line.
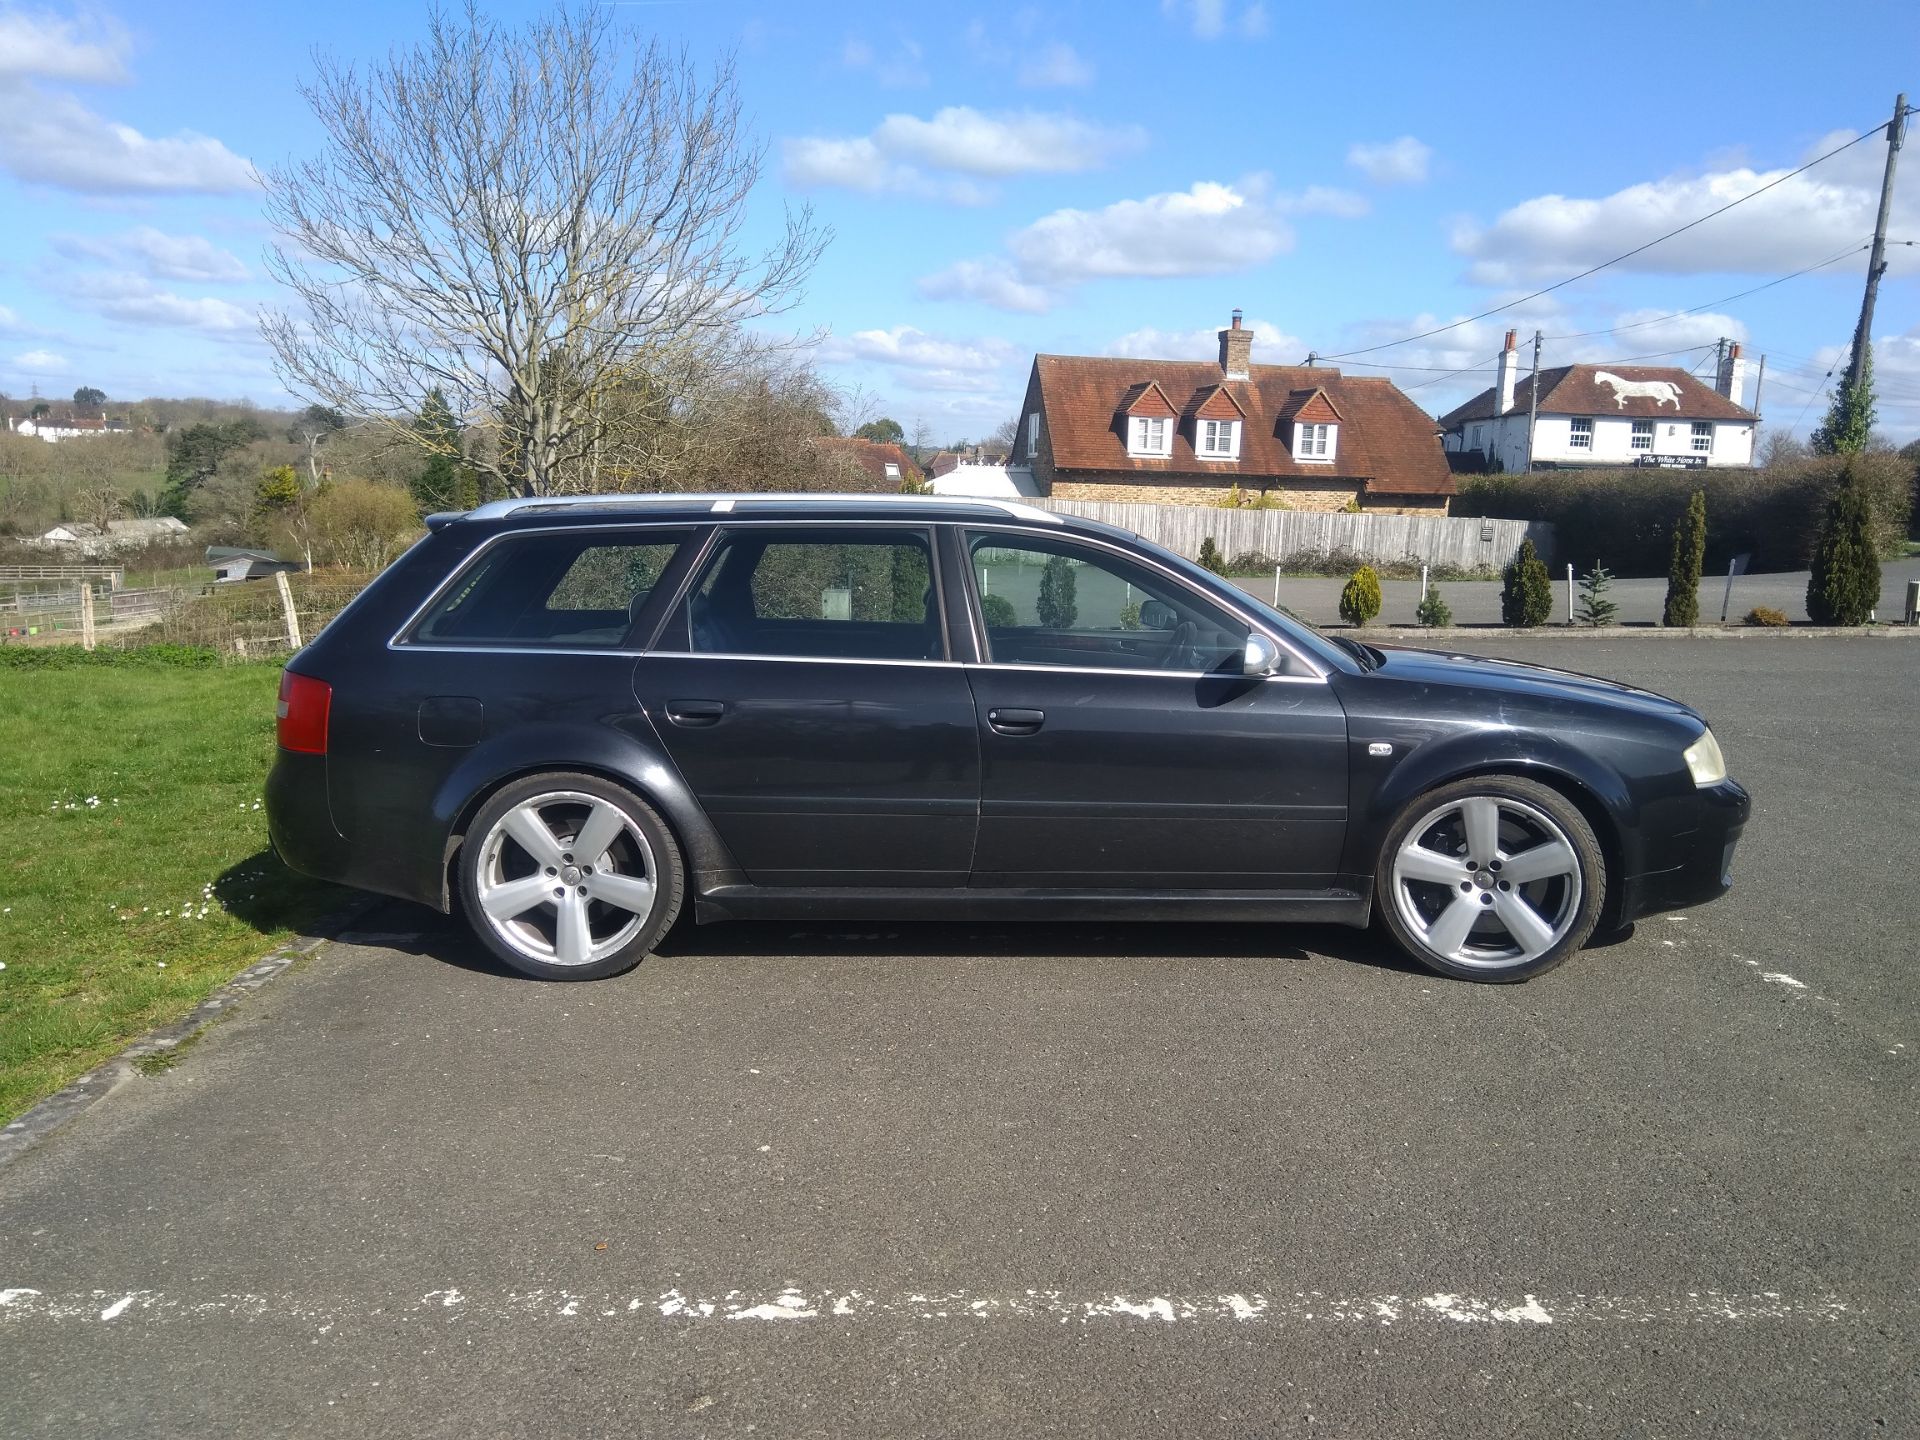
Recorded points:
1603,415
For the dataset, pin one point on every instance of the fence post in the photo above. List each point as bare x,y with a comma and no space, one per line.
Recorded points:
86,616
286,605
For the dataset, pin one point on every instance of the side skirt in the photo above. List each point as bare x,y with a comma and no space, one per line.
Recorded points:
1320,907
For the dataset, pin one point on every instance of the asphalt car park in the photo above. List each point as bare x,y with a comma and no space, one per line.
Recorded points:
1035,1179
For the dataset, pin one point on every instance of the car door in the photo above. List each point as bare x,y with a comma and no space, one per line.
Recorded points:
803,686
1121,746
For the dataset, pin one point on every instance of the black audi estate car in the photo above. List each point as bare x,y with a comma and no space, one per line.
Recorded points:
567,719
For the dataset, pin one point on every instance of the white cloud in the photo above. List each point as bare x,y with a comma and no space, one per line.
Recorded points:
991,282
909,348
1209,19
1392,162
41,360
1057,65
1208,229
901,68
1271,344
158,254
54,48
49,137
136,301
1797,223
956,141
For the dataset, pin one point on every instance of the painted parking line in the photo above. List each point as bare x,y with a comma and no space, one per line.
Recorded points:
22,1306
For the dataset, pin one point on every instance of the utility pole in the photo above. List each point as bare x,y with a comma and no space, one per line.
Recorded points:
1758,381
1533,400
1877,261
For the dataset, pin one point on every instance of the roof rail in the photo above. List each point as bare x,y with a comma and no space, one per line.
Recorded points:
730,504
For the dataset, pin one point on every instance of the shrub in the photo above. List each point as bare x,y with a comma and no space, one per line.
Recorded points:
1252,562
1210,557
1234,499
1058,607
1683,568
1845,584
1595,608
1267,500
998,612
1526,595
1360,600
73,657
1433,611
1628,514
1766,615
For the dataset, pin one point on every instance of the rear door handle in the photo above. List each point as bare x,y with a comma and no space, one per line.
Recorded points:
1016,722
694,714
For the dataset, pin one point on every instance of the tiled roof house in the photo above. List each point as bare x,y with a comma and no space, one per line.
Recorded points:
1186,432
1603,415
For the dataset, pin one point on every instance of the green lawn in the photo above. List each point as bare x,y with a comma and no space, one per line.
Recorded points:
134,873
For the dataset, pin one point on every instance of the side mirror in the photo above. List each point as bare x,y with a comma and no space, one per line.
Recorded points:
1262,657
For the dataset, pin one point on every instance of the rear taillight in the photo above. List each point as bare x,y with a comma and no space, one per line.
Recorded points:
302,713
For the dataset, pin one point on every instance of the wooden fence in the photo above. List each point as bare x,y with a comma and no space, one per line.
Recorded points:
1470,544
107,577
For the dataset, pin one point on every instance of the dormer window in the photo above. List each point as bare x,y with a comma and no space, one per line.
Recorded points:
1149,435
1218,440
1316,443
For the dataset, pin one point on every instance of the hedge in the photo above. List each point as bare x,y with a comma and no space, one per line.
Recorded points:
1626,517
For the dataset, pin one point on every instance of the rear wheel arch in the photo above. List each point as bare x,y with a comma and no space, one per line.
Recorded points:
699,843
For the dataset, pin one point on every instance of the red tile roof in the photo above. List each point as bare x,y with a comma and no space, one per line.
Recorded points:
1385,439
1577,390
872,457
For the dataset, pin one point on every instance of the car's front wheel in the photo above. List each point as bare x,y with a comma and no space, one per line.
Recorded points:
1492,878
569,877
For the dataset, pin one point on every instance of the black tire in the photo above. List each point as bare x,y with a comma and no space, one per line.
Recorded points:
1566,906
532,941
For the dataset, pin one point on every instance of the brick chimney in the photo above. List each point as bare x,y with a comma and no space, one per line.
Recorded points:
1508,375
1236,350
1732,379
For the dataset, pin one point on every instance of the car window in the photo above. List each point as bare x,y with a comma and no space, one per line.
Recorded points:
564,590
1047,602
858,594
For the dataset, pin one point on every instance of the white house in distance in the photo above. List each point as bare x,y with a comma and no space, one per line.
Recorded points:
1604,415
72,427
119,535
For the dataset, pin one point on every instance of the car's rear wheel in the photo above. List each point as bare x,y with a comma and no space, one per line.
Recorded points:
1493,878
569,877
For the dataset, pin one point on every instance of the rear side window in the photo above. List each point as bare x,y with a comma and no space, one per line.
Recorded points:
854,594
574,590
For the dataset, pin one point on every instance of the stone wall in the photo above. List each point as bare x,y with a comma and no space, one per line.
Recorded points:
1319,497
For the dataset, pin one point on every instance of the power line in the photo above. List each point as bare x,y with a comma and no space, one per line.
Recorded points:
1625,255
1723,300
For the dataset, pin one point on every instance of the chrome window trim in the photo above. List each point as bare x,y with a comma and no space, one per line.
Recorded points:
1318,673
1143,670
398,640
791,659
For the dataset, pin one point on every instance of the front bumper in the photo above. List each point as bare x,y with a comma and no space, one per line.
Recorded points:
1702,856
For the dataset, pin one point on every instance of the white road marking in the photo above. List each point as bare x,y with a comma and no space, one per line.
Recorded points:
1780,977
22,1305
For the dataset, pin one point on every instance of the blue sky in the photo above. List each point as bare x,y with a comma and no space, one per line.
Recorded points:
1094,178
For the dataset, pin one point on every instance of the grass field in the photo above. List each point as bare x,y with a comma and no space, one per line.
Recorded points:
134,873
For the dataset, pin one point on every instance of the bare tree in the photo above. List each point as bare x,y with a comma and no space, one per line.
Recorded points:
536,221
98,504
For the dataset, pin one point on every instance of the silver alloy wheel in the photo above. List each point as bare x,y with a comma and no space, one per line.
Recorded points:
566,878
1487,882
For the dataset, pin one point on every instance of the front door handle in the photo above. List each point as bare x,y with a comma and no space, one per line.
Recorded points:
695,714
1016,722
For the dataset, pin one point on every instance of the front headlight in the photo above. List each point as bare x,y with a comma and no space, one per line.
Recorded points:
1704,760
